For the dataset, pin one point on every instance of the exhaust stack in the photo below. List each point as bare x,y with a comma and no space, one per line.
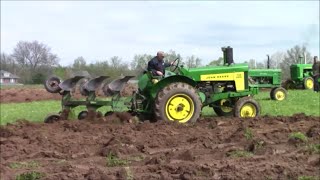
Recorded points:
227,55
268,62
300,59
305,58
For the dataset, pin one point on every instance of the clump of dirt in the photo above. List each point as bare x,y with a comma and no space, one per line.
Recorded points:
314,131
162,150
129,89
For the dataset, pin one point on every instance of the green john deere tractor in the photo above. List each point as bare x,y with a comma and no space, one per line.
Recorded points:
268,78
301,76
178,96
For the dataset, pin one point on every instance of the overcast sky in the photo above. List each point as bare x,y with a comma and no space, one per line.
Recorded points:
101,29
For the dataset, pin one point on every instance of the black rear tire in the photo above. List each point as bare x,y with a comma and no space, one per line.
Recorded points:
223,110
289,84
168,104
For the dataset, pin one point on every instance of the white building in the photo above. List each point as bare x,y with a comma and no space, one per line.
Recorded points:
7,78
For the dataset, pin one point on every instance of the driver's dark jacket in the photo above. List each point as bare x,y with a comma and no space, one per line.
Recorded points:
155,65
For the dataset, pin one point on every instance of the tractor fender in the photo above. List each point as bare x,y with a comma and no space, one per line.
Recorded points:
171,79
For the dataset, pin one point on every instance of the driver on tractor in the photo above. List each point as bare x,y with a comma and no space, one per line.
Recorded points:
157,66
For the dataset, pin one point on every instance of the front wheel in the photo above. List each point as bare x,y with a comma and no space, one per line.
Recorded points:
246,107
308,83
289,84
278,93
178,102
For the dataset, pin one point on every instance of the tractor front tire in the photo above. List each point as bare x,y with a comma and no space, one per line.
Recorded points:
289,84
178,102
278,93
308,83
222,110
246,107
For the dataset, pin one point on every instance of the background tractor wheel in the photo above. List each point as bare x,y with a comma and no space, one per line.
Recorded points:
246,107
52,84
224,107
52,118
308,83
289,84
83,115
278,93
178,102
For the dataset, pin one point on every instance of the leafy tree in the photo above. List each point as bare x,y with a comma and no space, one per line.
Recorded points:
252,64
115,62
79,63
260,65
217,62
7,63
276,59
60,71
140,61
38,78
171,55
292,56
34,54
192,62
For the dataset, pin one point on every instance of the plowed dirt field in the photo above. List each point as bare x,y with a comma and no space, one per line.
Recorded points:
213,148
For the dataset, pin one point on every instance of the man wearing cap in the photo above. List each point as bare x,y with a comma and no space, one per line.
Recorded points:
157,65
316,70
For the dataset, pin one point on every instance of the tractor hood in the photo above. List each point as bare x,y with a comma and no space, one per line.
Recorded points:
264,72
197,73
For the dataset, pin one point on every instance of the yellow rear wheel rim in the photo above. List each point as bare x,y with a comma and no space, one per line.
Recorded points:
309,84
248,110
223,107
280,95
180,107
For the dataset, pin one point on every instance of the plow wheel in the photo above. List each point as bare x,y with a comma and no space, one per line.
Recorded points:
278,93
52,84
178,102
109,113
224,107
89,115
52,118
246,107
83,115
308,83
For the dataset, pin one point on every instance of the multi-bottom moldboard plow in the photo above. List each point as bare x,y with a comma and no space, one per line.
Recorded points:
87,88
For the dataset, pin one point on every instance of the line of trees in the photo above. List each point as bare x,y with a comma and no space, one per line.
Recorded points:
34,62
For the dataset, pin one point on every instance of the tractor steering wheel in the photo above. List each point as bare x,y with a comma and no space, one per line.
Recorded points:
175,66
